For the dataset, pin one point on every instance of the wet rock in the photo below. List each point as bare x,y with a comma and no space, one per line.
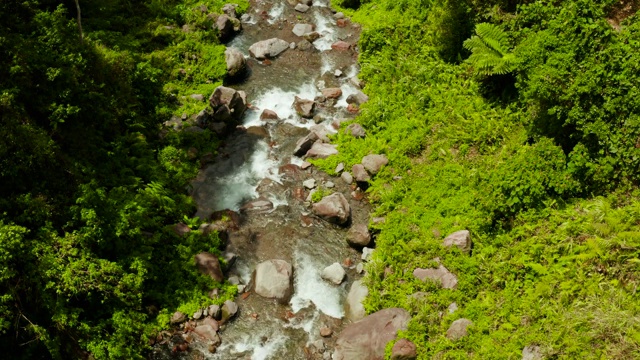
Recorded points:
373,163
312,36
273,280
404,349
440,275
334,273
210,265
321,150
458,329
228,105
301,29
339,168
353,305
341,46
309,183
236,63
333,208
268,115
356,130
228,311
532,352
245,18
460,239
268,48
304,107
258,131
366,254
347,177
366,339
355,81
358,98
198,314
178,318
303,145
302,8
359,236
230,10
214,311
332,93
360,173
304,45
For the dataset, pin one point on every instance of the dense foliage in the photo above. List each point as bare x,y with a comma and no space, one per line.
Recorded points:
519,121
89,191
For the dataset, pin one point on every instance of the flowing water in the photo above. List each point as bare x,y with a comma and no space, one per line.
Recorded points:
255,165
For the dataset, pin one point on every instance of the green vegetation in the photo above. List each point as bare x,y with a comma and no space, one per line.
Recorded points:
90,265
518,121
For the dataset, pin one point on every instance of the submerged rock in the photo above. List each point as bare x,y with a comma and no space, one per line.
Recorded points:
333,208
273,280
366,339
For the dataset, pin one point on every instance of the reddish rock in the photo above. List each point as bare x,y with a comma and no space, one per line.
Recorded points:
353,108
341,46
333,208
332,93
359,235
342,23
268,115
210,265
404,349
325,332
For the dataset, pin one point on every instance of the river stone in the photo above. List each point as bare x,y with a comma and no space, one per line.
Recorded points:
236,63
304,144
178,317
358,98
366,254
206,332
322,132
229,310
367,338
458,329
339,168
460,239
228,104
360,173
334,273
268,115
403,349
302,8
325,331
273,280
440,275
332,93
373,163
321,150
358,235
268,48
301,29
214,311
309,183
198,314
210,265
333,208
347,177
304,107
226,27
353,305
340,45
356,130
532,352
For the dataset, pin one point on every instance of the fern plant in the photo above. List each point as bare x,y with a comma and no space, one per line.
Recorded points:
489,50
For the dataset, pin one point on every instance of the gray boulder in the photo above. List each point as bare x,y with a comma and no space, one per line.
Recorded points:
460,239
366,339
347,177
229,309
227,27
228,105
333,208
360,174
359,236
230,10
373,163
236,63
458,329
334,273
353,306
301,29
273,280
268,48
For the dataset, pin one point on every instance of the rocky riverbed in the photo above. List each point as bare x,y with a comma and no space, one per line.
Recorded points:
296,257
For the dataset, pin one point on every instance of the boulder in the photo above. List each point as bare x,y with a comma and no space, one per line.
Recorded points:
268,115
353,306
334,273
206,332
360,173
229,309
347,177
359,236
304,107
532,352
321,150
228,105
321,131
373,163
460,239
440,275
301,29
178,318
230,10
366,339
358,98
332,93
210,265
302,8
333,208
341,45
304,144
226,27
404,349
268,48
356,130
458,329
236,63
338,15
214,311
273,280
